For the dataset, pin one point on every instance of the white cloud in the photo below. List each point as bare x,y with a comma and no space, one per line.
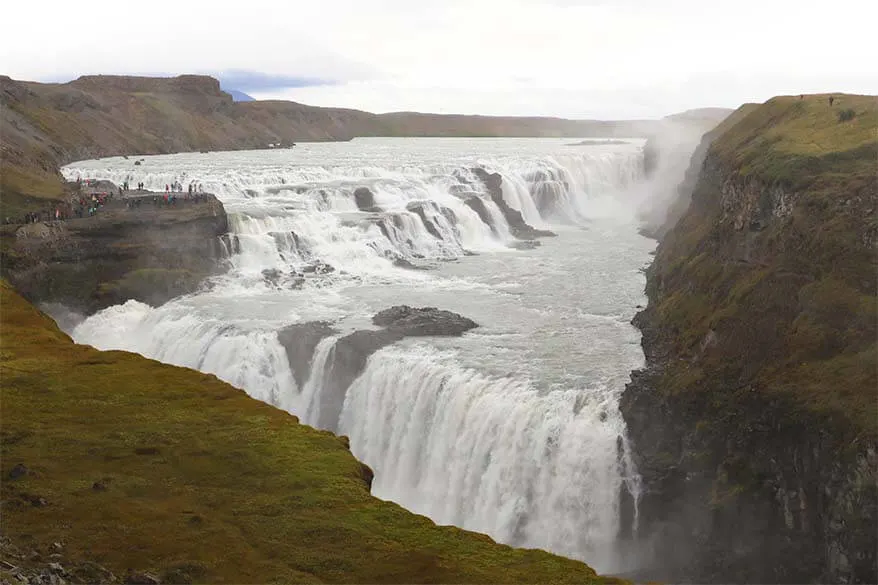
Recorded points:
593,58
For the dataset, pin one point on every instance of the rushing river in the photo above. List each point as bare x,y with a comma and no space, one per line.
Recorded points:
513,429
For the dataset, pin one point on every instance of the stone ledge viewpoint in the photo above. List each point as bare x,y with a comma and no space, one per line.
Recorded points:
134,247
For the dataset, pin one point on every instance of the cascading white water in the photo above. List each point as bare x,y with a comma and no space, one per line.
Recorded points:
317,205
309,403
514,430
492,454
247,357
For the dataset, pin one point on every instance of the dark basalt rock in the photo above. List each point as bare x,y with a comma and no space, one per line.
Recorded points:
408,264
318,267
493,181
18,471
413,321
102,186
385,231
141,578
89,572
345,364
364,198
299,340
367,474
449,215
525,244
272,276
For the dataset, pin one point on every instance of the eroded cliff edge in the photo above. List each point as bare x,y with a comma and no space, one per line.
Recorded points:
754,421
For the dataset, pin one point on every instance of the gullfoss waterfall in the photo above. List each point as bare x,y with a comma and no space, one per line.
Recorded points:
512,429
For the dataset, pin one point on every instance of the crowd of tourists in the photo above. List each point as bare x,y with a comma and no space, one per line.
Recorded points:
177,187
82,206
93,195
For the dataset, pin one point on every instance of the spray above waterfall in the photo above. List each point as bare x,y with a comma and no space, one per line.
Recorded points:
512,429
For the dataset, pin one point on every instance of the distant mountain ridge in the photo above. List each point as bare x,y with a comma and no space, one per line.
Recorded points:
239,96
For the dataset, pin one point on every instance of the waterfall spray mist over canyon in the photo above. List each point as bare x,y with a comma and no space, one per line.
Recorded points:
512,429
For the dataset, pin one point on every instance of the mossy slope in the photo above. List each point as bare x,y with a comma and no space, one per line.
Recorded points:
200,476
776,257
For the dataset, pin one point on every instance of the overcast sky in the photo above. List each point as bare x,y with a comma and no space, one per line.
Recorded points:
571,58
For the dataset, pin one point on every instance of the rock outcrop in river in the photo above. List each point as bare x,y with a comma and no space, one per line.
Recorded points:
754,423
349,354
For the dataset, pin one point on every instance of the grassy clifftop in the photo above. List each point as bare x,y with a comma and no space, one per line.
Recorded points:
806,143
134,464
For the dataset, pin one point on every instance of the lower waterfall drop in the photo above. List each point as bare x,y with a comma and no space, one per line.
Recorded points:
493,455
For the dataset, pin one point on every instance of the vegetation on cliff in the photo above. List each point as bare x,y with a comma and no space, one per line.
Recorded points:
806,144
133,464
781,266
760,338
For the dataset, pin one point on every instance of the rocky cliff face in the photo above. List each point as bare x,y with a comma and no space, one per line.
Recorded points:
754,422
149,253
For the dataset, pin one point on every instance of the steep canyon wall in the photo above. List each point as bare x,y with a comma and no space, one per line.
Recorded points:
754,420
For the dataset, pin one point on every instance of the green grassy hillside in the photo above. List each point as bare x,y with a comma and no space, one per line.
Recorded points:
787,286
798,142
146,466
